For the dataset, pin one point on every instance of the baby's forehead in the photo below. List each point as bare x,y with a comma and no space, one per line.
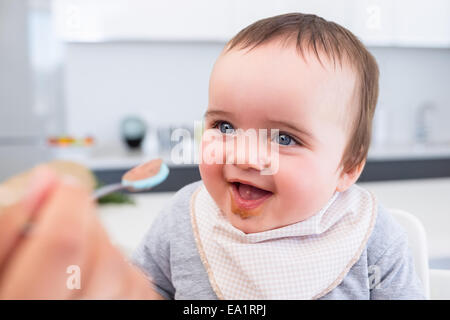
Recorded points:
278,75
280,49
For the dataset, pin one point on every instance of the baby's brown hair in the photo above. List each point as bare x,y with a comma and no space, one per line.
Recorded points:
335,41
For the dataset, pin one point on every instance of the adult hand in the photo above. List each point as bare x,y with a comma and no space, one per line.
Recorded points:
66,254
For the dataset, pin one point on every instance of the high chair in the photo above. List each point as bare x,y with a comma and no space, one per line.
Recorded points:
436,282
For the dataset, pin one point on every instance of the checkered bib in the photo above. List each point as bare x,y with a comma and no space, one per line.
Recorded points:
305,260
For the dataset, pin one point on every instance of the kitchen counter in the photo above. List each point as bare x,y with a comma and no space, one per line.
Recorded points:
410,152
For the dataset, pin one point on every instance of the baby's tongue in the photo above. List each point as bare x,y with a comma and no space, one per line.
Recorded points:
248,192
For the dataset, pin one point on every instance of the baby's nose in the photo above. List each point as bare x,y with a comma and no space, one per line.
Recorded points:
258,165
247,156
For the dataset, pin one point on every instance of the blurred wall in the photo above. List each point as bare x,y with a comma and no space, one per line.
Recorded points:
166,83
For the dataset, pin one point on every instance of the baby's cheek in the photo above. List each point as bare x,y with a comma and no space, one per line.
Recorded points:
214,181
210,172
296,185
301,187
295,174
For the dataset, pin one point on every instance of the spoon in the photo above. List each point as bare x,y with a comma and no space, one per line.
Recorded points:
140,178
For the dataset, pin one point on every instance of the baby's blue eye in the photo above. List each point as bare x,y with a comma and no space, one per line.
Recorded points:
225,127
284,139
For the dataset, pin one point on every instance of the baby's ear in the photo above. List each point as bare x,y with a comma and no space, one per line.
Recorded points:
348,178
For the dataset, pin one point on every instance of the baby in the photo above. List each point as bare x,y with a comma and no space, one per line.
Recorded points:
306,231
281,220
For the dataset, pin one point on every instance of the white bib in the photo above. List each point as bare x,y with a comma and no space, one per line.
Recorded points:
305,260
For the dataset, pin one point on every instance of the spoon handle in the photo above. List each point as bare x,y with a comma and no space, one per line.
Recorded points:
100,192
103,191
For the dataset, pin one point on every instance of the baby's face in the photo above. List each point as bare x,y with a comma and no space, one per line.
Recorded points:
271,87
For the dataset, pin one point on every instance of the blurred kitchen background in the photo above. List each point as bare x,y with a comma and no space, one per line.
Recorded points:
104,82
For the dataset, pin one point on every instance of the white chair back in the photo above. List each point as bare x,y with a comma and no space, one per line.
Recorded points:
418,244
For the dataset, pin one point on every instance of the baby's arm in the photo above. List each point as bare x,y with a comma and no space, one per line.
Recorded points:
393,275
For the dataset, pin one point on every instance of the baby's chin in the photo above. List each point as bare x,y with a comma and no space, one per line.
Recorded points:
249,223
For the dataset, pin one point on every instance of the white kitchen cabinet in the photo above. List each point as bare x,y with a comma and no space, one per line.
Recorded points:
246,12
137,20
340,12
112,20
375,22
406,23
249,11
417,23
370,20
422,23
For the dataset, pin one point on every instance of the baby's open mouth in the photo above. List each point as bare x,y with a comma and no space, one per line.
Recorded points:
249,192
247,196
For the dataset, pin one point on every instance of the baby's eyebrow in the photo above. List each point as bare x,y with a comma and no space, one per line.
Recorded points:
211,113
292,126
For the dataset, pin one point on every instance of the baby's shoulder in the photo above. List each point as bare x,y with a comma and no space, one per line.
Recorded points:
182,198
176,210
386,233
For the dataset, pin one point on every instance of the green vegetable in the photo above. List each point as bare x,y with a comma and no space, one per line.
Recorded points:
114,197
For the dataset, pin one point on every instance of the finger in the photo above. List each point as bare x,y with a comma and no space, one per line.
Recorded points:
38,268
104,273
42,181
15,217
109,275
